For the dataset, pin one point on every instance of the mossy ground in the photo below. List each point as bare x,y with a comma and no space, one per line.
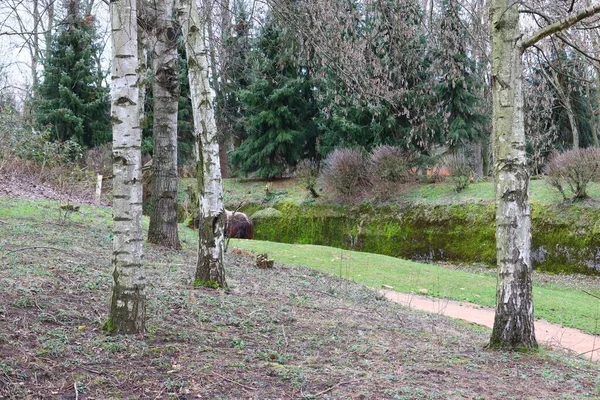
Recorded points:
430,222
565,238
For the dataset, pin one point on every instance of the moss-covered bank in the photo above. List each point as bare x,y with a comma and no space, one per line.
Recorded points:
565,238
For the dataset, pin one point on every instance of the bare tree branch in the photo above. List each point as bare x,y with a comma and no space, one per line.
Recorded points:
559,26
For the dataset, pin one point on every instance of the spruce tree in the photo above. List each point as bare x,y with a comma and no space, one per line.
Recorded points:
458,89
70,102
390,100
278,109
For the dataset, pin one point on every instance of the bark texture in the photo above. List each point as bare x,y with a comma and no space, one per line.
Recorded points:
165,89
128,304
210,269
514,321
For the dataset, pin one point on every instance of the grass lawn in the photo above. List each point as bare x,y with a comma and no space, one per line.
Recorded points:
558,299
253,191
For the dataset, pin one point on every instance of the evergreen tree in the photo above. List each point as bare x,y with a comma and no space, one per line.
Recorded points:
278,109
236,49
460,119
70,102
391,111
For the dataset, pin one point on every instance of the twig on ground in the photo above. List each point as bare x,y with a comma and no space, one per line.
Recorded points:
590,294
34,247
589,351
234,382
76,391
334,386
284,337
93,371
3,222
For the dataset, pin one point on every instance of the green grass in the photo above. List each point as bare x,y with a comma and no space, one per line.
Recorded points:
556,303
252,191
444,193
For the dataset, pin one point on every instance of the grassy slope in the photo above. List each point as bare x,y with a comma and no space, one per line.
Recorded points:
253,191
280,334
557,299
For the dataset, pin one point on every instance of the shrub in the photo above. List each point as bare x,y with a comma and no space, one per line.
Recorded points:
459,170
307,172
574,169
99,159
388,168
344,173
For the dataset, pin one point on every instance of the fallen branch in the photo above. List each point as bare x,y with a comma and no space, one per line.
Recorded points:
3,222
589,351
334,386
234,382
34,247
76,391
590,294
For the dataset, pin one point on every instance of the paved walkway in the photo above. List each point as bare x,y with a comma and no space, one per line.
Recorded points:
547,334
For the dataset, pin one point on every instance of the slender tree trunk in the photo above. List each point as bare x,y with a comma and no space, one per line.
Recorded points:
596,113
514,321
565,99
142,18
128,304
476,148
35,56
218,84
50,26
165,89
210,270
592,102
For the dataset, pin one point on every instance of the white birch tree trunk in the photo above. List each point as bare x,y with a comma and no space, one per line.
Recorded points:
128,304
514,321
209,270
165,91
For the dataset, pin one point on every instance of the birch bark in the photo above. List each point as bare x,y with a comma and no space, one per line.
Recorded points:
209,270
513,324
128,304
165,89
514,320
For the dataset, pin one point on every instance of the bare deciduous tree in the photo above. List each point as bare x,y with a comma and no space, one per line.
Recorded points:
514,321
210,270
165,91
128,304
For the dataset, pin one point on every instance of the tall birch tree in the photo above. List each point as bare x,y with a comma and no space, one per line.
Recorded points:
165,90
210,270
514,320
128,304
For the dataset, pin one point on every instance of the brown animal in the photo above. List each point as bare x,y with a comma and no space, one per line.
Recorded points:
238,225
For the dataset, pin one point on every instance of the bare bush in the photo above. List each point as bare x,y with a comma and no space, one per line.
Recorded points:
29,155
459,169
389,167
99,159
574,169
307,173
344,174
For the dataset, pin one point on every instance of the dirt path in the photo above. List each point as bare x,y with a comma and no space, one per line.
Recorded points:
550,335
